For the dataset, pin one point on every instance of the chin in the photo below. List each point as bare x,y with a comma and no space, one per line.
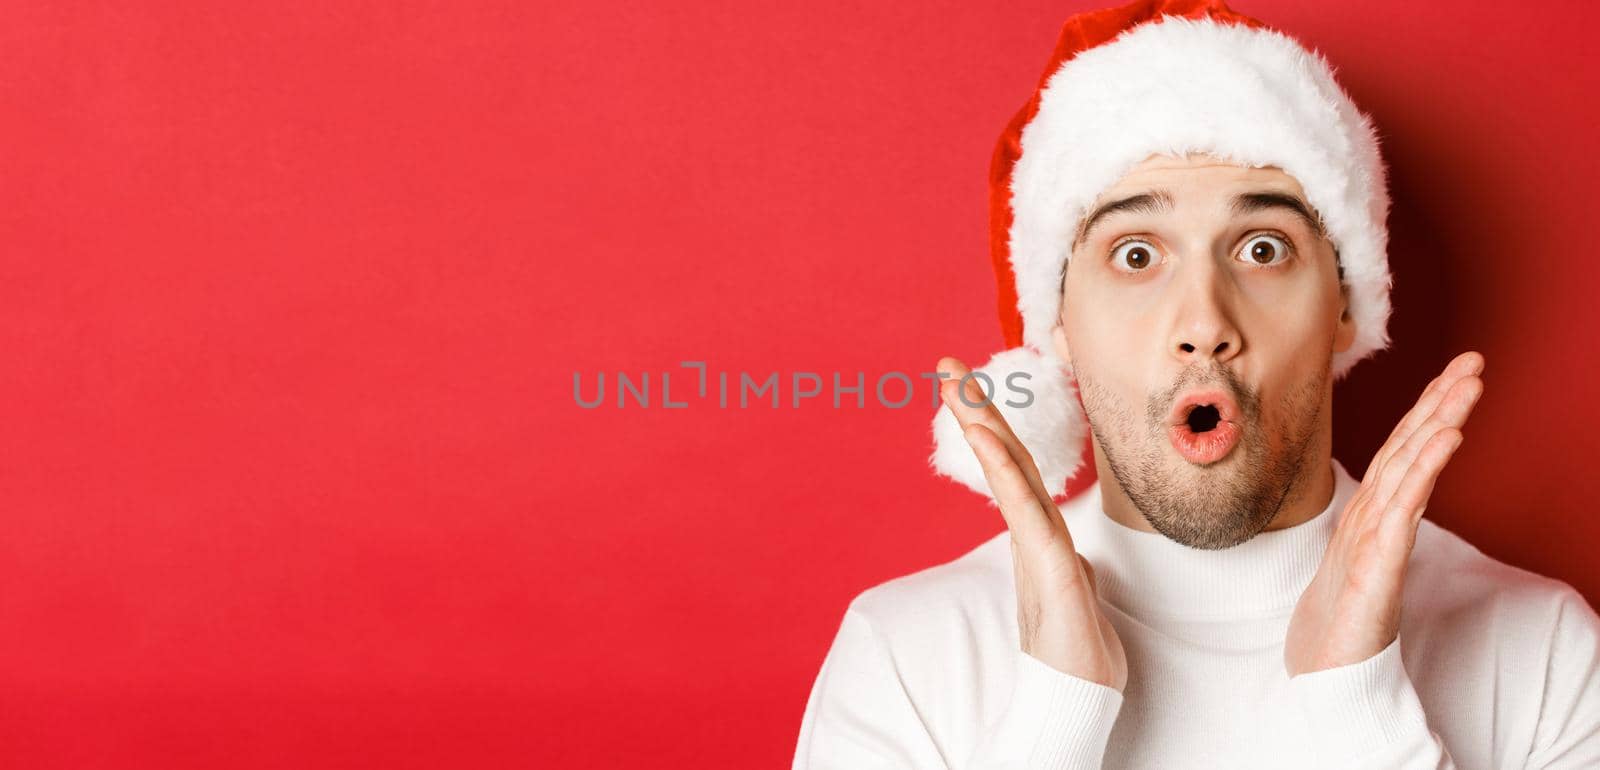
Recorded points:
1212,506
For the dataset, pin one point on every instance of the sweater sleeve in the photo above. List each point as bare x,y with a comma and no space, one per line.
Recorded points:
1368,715
1567,735
859,715
1053,721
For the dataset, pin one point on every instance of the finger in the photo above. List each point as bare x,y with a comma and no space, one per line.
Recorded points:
987,415
963,392
1398,528
1029,522
1452,412
1465,364
1366,506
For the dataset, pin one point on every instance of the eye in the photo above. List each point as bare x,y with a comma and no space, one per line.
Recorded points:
1265,250
1134,256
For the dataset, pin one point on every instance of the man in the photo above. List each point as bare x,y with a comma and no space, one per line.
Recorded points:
1191,215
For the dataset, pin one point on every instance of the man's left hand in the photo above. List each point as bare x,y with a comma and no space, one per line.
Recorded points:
1351,610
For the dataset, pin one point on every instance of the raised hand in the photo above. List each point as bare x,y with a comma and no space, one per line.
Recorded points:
1058,612
1351,609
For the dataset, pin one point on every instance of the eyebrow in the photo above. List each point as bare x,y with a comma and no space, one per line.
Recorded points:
1153,202
1265,201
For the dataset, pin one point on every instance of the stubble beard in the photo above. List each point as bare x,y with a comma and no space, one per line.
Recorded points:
1223,504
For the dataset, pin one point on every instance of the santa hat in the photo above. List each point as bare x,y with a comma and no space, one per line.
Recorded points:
1160,77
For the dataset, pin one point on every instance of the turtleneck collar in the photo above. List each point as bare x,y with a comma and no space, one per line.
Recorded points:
1146,574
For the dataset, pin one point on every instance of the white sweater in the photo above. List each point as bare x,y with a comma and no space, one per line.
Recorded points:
1495,667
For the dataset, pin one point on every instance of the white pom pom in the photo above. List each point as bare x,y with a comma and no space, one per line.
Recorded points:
1052,426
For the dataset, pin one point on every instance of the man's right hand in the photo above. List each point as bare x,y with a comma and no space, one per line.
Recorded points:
1058,612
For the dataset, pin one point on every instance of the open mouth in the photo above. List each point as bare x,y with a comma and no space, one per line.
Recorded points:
1203,418
1204,427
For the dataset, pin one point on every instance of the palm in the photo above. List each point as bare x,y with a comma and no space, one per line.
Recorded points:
1351,609
1059,618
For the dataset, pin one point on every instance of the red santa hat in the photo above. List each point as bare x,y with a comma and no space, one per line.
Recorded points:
1160,77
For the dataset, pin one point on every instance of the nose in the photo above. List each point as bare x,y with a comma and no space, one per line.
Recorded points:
1204,327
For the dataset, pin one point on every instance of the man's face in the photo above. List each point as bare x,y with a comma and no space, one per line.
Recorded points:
1212,289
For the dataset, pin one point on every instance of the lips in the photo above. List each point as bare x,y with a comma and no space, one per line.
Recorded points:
1199,445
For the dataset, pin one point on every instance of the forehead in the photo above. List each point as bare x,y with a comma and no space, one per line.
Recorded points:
1200,175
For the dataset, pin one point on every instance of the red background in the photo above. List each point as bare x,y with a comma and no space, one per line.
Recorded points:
292,295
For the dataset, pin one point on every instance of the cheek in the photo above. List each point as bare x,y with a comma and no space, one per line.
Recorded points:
1109,380
1291,321
1095,363
1099,324
1293,411
1285,335
1115,412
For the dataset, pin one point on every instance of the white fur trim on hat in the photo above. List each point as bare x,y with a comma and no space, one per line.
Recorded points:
1051,425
